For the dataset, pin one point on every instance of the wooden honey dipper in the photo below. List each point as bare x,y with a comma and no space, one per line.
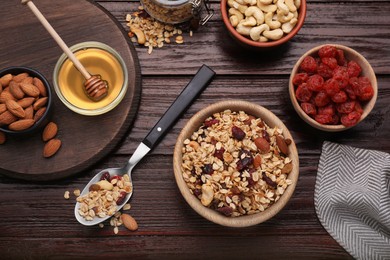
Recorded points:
94,86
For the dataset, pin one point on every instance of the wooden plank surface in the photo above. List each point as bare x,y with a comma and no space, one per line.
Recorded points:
38,223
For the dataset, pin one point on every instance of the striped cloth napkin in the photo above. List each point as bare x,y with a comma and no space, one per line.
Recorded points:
352,199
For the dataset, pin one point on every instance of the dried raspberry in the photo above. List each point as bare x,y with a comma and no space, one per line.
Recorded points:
309,65
354,69
309,109
315,83
300,78
327,51
321,99
303,93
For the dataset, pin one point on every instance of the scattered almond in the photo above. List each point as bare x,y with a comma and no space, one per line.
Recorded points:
257,161
129,222
15,108
51,147
50,131
262,144
2,138
21,124
38,115
282,144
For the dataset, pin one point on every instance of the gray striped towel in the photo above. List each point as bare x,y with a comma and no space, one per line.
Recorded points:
352,199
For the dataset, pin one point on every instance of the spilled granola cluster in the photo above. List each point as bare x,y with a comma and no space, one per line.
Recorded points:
236,164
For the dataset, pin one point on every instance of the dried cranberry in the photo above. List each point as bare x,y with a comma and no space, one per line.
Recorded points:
350,92
309,65
327,51
365,89
323,119
211,122
244,162
235,190
330,62
197,192
358,108
227,211
346,107
300,78
335,120
303,93
265,135
219,153
331,87
321,99
121,198
341,75
116,177
350,119
340,57
340,97
105,176
309,109
327,110
207,169
238,133
354,69
324,71
269,181
315,82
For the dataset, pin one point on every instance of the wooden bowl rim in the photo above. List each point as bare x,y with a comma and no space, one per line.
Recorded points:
243,39
367,71
210,214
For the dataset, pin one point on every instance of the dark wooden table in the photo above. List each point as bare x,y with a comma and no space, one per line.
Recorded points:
38,223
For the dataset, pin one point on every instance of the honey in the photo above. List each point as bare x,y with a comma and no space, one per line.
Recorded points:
98,59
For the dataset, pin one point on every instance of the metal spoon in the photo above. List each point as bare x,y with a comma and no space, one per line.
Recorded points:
186,97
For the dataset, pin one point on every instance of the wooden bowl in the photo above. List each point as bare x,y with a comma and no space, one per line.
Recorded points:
367,71
251,44
194,123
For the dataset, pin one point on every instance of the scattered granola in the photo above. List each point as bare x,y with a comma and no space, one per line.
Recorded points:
151,33
233,164
66,195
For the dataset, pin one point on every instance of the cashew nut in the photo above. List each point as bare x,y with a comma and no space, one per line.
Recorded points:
207,194
295,14
257,31
237,13
287,27
250,2
263,39
266,2
282,7
238,6
256,13
273,34
234,20
291,6
243,30
297,3
249,21
140,35
241,2
266,8
272,24
284,18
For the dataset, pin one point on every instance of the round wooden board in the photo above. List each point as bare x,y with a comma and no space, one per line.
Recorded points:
85,140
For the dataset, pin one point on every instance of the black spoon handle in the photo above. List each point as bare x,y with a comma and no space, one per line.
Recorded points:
198,83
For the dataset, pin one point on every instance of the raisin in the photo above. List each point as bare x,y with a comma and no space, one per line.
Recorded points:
219,153
235,190
238,133
245,162
323,119
269,181
248,121
309,65
350,119
265,135
309,109
315,82
327,51
331,87
197,192
303,93
105,176
346,107
353,69
207,169
321,99
121,198
340,97
211,122
300,78
227,211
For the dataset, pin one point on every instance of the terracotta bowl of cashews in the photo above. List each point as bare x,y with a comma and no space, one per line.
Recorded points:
263,23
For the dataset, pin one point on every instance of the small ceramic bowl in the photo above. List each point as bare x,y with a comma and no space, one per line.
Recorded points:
193,125
350,55
98,59
44,119
257,45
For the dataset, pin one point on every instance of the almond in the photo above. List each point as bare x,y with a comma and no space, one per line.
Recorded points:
287,168
282,144
29,89
38,115
40,103
105,185
39,84
7,118
6,95
262,144
3,108
29,80
18,78
1,87
15,108
257,161
26,102
15,90
50,131
29,111
5,80
129,222
21,124
51,148
2,138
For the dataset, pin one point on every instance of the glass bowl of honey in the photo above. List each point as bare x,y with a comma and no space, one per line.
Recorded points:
99,59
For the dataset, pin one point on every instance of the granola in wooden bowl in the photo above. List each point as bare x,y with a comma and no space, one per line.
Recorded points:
236,163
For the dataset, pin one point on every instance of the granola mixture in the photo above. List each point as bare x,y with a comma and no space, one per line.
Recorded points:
104,196
236,164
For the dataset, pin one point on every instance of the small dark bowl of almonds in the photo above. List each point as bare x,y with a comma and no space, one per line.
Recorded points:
236,163
25,101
